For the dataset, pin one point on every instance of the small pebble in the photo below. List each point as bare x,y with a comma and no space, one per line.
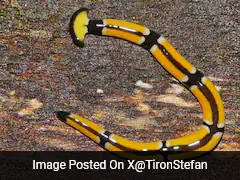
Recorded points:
141,84
99,91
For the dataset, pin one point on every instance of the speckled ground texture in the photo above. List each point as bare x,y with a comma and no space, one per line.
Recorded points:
42,71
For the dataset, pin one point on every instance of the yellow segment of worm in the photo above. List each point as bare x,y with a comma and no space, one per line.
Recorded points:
89,134
93,126
178,57
123,35
192,138
218,100
125,24
212,143
111,147
206,107
139,146
80,25
161,58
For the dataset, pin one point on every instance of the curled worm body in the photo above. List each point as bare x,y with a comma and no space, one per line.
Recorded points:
209,134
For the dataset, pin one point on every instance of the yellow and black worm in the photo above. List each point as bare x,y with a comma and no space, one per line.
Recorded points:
209,134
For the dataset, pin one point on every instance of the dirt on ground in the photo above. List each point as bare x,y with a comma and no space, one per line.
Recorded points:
42,71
